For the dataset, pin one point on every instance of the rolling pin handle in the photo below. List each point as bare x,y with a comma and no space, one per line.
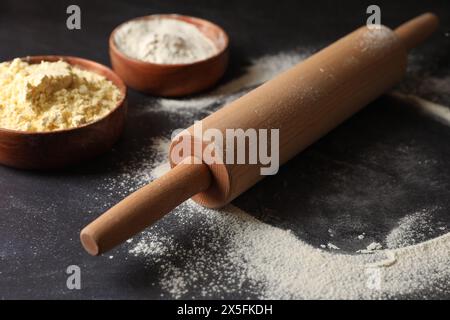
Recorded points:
145,206
417,30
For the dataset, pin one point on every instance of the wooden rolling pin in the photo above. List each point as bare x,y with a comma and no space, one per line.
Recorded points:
304,103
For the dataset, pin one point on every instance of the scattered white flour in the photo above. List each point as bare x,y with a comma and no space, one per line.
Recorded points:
377,38
439,112
331,232
265,68
371,248
164,41
424,85
374,246
332,246
232,248
227,253
137,171
389,261
411,229
259,71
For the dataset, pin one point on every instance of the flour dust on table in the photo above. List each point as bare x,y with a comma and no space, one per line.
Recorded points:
229,252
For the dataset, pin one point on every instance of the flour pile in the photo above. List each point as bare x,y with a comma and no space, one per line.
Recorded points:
234,253
50,96
163,41
229,253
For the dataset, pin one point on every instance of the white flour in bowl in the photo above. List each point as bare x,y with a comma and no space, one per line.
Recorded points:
163,41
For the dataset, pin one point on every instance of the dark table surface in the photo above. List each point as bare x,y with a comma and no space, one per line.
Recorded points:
41,213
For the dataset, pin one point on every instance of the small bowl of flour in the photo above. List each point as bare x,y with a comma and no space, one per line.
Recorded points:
169,55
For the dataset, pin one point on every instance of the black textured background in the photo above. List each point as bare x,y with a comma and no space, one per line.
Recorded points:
382,164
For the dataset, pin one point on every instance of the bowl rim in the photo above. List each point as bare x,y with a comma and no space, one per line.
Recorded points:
175,16
72,61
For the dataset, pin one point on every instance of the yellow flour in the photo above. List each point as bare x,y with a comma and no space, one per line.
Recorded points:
52,96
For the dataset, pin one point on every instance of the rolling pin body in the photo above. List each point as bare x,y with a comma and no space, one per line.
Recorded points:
305,103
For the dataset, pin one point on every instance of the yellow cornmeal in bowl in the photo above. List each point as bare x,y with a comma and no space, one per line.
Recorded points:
52,96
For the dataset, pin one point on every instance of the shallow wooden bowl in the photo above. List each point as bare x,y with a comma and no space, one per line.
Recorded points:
172,80
61,148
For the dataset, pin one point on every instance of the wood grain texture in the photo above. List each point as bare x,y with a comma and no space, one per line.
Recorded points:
173,80
58,149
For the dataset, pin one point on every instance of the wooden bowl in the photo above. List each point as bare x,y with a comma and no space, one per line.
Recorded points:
61,148
172,80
